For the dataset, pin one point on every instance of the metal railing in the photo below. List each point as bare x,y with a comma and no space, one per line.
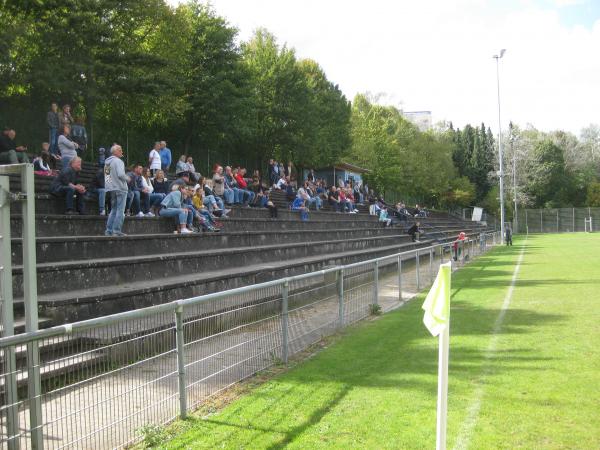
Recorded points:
557,220
105,379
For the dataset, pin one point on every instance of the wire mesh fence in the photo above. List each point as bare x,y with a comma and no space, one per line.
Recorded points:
98,383
557,220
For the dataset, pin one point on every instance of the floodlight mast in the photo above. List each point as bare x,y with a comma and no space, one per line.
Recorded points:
500,157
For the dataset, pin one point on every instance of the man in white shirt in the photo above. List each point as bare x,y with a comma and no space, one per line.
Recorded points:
154,159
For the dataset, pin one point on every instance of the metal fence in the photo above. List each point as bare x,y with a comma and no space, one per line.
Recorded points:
558,220
102,380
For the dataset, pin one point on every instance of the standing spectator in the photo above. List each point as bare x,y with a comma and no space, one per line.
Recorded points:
10,152
97,187
101,156
53,124
67,184
273,172
219,187
79,135
135,191
65,117
311,176
115,182
154,159
68,148
165,156
292,173
195,176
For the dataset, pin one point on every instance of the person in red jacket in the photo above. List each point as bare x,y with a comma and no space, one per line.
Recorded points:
238,174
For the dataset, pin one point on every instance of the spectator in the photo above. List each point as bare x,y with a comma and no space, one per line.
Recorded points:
272,209
219,187
67,148
383,217
172,206
150,199
181,166
165,156
273,172
79,135
154,159
242,184
115,183
415,232
334,199
281,183
134,193
457,248
344,203
260,195
203,215
311,176
194,176
101,156
98,187
212,201
304,194
292,173
160,184
300,205
53,125
239,196
67,184
41,163
183,180
350,200
64,117
10,152
419,212
290,192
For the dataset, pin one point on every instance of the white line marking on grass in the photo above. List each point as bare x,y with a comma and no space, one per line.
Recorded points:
466,432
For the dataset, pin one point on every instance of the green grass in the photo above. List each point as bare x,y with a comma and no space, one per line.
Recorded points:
376,387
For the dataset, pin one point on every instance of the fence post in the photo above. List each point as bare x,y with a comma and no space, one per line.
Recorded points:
541,220
526,222
34,386
441,254
284,321
573,220
399,278
340,290
180,342
417,264
557,220
431,266
376,283
7,311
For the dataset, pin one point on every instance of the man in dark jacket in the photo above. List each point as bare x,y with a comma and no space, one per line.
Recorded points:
135,188
67,184
10,153
415,232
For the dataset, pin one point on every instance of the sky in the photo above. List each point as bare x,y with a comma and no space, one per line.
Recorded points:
436,55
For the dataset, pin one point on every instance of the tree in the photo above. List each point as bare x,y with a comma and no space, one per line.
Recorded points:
593,194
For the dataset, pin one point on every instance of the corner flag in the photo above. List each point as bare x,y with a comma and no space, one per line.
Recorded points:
437,321
437,303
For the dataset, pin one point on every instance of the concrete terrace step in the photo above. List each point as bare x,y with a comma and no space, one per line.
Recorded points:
66,248
110,298
61,276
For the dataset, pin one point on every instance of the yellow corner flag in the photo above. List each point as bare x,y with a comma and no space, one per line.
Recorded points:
437,303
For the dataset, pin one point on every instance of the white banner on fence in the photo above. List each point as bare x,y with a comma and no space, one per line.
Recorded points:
477,213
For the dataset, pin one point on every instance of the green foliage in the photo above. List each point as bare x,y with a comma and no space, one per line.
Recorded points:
593,194
461,193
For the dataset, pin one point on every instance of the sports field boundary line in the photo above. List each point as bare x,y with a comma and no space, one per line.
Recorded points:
466,432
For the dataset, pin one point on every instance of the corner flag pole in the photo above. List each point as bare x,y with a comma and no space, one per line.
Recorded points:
437,321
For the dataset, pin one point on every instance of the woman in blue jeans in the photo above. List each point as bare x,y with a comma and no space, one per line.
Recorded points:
172,206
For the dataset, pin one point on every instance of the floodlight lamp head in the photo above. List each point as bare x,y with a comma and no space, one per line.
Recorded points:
502,52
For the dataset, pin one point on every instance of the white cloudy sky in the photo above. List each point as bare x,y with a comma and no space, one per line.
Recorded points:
437,54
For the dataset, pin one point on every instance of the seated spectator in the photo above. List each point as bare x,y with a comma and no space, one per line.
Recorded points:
419,212
213,202
383,217
281,184
205,218
219,186
290,192
239,196
181,166
415,232
305,194
242,183
150,199
272,209
261,197
134,193
350,200
67,184
160,183
97,187
41,163
194,176
183,180
67,147
172,206
344,203
10,152
300,205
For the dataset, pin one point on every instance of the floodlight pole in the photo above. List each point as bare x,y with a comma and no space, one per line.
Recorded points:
497,58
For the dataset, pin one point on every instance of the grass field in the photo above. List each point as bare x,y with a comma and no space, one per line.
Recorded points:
531,381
